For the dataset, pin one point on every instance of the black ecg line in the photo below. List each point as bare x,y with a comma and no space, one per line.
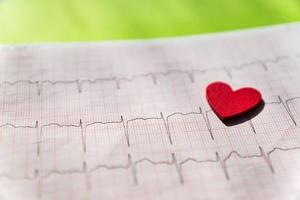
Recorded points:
132,165
152,75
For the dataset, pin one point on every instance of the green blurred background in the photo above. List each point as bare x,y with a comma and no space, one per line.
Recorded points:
32,21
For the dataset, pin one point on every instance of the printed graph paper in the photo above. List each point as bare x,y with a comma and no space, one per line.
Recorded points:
128,120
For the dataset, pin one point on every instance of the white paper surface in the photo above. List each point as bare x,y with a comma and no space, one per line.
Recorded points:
128,120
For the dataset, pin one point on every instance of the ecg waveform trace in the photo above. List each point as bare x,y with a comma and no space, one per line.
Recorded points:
132,165
153,75
164,119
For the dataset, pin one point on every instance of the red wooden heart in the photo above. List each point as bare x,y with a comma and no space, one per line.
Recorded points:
227,103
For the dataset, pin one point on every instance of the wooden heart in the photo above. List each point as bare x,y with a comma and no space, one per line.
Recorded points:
227,103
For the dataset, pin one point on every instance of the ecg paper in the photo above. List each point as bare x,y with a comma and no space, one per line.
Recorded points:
129,120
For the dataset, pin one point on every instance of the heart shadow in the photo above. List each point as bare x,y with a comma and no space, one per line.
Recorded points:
239,119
